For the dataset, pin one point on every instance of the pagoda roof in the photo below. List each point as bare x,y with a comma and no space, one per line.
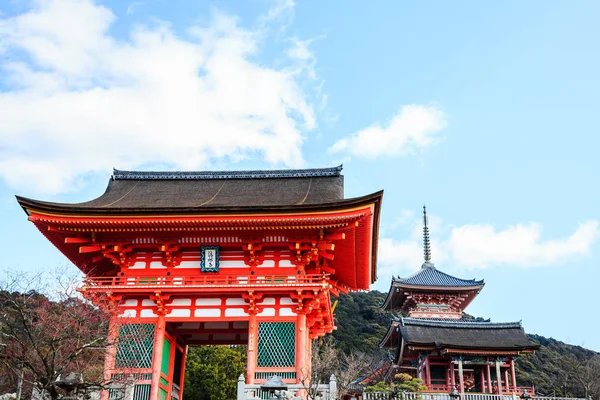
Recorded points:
459,336
155,192
429,279
428,275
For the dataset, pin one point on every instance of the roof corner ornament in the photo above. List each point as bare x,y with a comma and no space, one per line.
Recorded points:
426,243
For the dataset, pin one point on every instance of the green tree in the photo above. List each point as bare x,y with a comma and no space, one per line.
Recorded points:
401,383
380,387
211,372
406,383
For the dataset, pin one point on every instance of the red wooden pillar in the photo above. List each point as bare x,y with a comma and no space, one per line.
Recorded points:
452,376
111,352
302,360
482,379
448,384
506,385
489,378
159,340
428,372
252,347
461,377
172,366
513,374
182,380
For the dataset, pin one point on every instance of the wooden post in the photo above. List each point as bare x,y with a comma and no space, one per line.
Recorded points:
498,376
159,340
452,376
461,378
428,372
252,347
513,374
482,379
489,378
172,366
182,374
302,365
506,385
111,353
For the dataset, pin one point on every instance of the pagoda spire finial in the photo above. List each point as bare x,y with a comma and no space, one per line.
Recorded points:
426,243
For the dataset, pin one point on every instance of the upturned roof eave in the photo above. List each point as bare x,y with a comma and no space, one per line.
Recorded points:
388,335
73,209
479,285
386,305
444,346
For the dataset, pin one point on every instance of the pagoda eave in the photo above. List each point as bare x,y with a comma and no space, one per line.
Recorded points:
392,336
439,288
487,352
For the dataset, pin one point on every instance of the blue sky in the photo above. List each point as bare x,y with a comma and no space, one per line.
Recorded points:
485,111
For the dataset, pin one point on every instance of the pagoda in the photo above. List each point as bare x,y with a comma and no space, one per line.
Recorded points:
215,258
436,341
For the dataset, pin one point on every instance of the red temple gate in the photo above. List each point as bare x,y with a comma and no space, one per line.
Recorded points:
233,258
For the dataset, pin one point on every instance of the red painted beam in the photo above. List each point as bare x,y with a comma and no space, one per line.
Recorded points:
90,249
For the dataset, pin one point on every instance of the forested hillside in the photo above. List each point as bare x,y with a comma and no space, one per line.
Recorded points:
556,367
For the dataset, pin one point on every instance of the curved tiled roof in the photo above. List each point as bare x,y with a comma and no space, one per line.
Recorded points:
430,276
131,191
484,336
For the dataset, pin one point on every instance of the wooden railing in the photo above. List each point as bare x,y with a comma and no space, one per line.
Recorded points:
201,281
447,396
505,390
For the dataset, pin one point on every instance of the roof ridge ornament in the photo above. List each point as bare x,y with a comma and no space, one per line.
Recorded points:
426,242
207,175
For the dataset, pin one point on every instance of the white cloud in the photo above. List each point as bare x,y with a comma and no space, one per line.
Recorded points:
413,127
281,8
398,257
479,246
80,100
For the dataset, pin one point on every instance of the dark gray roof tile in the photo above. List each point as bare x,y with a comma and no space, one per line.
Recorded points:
430,276
463,334
206,175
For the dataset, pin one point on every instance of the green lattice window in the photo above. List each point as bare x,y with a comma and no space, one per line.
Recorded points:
276,344
134,348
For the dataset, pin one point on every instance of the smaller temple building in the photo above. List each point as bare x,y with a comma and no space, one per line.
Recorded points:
434,340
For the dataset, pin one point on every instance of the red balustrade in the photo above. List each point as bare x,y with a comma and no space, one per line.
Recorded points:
146,283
